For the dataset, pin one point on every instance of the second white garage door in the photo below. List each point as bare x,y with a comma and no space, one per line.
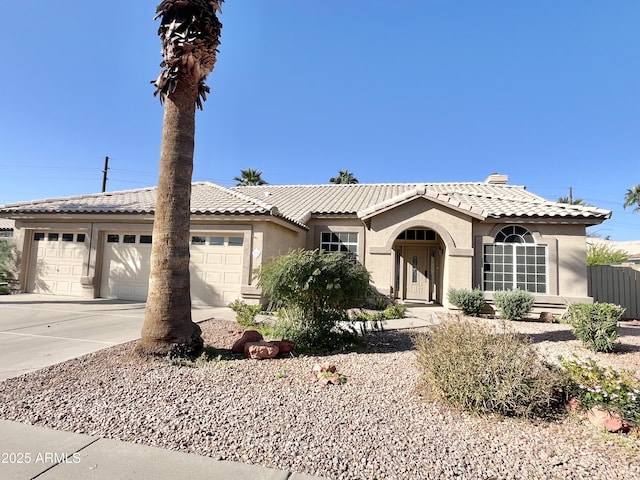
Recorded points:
216,267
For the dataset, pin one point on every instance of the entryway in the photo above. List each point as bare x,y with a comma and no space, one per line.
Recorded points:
419,259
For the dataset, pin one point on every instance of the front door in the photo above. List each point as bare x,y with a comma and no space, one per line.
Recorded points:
416,270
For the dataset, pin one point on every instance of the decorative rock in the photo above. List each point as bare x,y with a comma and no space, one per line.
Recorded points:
611,421
325,374
547,317
260,350
247,336
284,346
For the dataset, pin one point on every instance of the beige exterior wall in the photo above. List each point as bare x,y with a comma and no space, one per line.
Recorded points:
268,240
453,228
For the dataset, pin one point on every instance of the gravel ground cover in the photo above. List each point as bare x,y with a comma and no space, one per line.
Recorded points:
269,413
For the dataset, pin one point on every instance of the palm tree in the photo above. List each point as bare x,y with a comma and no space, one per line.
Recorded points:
572,201
632,197
344,176
190,34
249,177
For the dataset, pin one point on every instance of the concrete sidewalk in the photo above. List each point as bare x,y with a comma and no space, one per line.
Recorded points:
28,452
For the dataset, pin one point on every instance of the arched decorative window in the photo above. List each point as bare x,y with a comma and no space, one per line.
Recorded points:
515,261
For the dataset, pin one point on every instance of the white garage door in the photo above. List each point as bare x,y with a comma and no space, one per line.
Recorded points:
216,267
125,266
55,264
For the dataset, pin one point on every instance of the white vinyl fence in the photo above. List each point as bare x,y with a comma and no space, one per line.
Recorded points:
619,284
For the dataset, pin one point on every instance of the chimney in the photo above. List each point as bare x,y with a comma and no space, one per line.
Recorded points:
497,179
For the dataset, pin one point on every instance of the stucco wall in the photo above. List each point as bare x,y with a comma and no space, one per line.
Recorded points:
453,228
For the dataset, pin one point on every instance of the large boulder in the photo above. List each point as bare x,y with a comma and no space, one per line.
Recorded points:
247,336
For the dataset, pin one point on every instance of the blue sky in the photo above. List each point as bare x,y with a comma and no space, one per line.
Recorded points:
546,91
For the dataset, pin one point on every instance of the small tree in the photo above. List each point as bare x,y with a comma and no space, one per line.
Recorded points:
602,253
316,289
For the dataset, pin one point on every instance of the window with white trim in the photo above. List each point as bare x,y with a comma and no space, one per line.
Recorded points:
515,261
345,242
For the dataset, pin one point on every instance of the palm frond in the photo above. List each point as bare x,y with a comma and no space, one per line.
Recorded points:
190,35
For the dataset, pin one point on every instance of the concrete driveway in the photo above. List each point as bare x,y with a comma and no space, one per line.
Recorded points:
41,330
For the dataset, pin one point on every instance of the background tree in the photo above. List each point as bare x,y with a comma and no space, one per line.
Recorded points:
632,197
344,176
572,201
249,177
190,34
604,253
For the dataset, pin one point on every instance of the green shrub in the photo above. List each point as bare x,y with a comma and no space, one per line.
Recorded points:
596,324
316,289
4,290
394,310
513,304
312,336
596,386
471,302
314,281
471,366
245,314
8,260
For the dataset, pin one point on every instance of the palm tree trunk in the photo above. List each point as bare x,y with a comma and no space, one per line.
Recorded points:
168,327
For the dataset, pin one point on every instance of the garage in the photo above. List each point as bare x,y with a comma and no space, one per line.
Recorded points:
216,267
56,263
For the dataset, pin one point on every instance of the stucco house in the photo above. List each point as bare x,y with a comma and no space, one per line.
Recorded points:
417,239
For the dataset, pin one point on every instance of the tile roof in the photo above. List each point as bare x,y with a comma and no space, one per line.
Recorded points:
297,203
206,198
479,199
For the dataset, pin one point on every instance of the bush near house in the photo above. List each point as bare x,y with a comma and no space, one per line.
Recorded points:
315,289
513,304
471,366
471,302
596,324
245,314
7,264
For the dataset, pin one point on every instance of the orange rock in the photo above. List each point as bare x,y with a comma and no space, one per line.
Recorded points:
611,421
284,346
260,350
247,336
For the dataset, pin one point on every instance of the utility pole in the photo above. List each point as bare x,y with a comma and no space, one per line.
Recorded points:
104,174
570,195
